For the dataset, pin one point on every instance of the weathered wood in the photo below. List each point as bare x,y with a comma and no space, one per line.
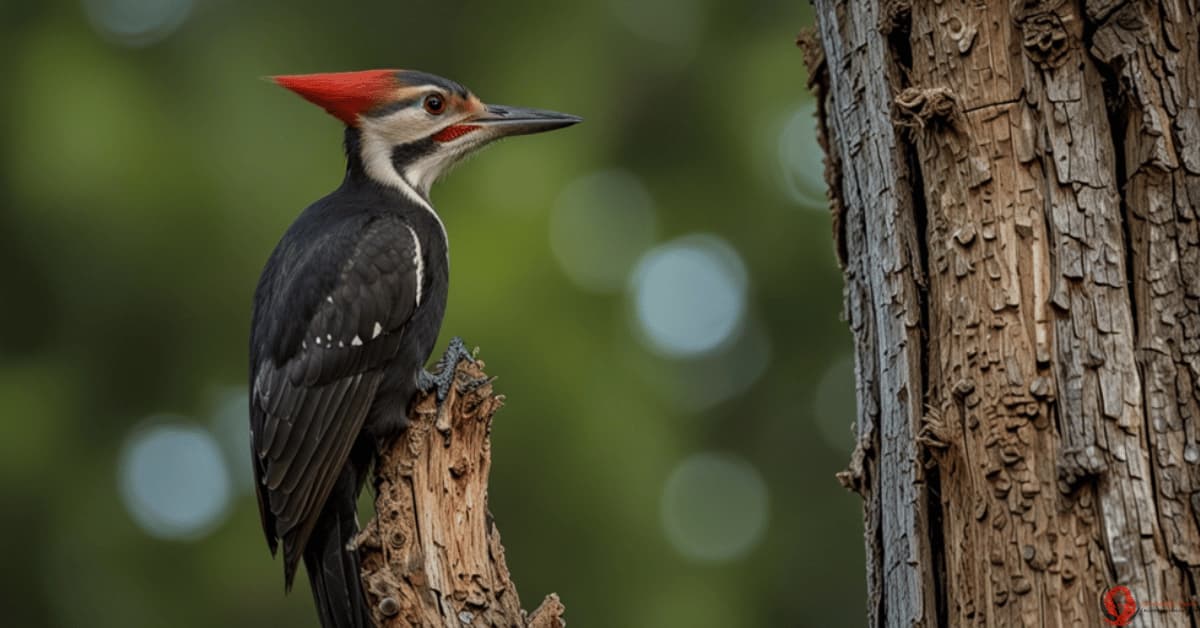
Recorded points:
1152,49
432,554
879,238
1059,445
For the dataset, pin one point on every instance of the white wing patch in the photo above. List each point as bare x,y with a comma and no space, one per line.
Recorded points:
378,330
418,261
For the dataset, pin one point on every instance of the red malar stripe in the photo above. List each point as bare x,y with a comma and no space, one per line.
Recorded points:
454,132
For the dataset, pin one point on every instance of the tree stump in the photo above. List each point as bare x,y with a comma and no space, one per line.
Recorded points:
432,554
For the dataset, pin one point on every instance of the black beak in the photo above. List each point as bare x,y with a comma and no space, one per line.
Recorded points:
503,121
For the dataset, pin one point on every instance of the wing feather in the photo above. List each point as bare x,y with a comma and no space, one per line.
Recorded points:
313,386
306,448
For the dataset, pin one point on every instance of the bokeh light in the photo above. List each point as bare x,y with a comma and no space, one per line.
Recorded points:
714,507
689,295
834,404
801,161
137,22
600,224
173,479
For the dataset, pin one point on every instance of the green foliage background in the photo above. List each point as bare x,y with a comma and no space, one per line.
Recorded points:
143,187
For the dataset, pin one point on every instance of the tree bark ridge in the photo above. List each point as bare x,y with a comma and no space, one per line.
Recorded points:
883,305
1152,50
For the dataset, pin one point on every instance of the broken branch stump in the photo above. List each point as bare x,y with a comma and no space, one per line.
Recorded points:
432,554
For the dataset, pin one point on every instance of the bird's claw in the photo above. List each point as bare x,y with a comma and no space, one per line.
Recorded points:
472,385
447,365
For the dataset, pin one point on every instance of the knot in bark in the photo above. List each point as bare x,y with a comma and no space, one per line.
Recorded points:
919,107
1045,40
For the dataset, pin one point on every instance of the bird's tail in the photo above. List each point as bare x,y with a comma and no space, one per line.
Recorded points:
333,570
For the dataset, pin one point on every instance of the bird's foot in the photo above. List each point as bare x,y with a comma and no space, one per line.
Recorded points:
438,383
427,382
446,368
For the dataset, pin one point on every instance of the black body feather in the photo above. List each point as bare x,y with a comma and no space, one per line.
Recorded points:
337,342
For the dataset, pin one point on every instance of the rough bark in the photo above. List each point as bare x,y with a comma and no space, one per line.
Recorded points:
1013,188
432,554
878,240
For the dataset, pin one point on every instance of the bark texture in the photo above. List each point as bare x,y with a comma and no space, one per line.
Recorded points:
1014,185
432,554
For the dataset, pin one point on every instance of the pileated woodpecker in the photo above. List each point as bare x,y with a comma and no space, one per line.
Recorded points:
348,309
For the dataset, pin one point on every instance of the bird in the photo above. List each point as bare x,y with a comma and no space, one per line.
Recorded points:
348,309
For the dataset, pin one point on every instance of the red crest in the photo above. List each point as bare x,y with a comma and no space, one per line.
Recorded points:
345,95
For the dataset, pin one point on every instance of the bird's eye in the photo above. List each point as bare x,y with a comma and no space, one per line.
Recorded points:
434,104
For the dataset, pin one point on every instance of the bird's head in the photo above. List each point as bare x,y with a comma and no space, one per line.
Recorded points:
412,126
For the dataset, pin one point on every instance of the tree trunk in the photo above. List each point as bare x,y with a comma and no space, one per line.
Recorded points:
1012,184
432,555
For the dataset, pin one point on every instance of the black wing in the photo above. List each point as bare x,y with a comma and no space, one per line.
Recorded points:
331,311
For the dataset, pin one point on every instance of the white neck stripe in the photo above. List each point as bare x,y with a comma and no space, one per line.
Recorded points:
377,161
376,156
